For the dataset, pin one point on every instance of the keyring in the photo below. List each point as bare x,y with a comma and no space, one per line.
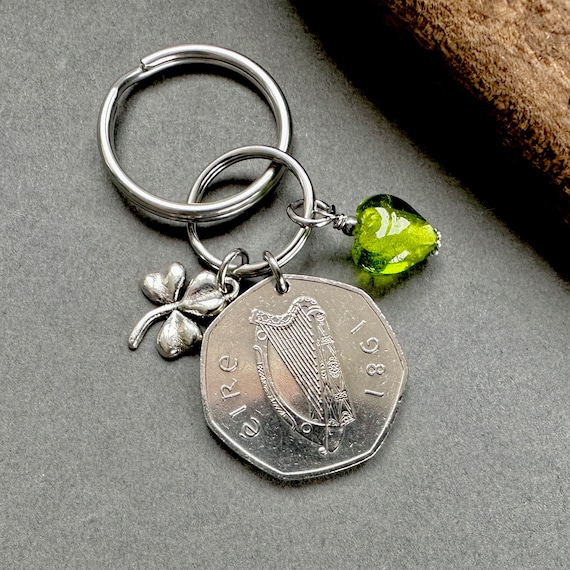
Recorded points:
299,375
168,58
233,157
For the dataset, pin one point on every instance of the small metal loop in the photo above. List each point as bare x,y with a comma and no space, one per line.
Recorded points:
233,157
326,214
225,267
183,56
281,285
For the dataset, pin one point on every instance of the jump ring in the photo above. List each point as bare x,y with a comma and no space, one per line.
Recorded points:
182,55
327,214
280,284
226,266
239,155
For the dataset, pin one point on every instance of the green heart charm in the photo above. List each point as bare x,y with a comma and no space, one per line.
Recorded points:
390,236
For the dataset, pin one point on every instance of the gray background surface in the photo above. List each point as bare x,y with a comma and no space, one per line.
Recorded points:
105,458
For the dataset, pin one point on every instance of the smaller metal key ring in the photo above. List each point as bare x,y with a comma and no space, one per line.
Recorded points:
183,55
239,155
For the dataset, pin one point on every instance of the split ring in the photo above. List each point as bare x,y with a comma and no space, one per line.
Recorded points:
183,55
239,155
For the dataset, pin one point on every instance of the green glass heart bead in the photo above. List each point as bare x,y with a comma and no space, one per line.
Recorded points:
390,236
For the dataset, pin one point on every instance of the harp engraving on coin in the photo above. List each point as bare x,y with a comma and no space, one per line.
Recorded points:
303,383
316,404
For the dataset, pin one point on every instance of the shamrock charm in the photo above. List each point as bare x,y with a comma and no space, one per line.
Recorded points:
203,298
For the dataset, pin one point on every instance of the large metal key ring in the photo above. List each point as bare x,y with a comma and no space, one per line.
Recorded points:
182,55
233,157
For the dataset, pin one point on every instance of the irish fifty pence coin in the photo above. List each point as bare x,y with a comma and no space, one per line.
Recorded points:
304,383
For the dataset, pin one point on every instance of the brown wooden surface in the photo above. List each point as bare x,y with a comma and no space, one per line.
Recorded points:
514,56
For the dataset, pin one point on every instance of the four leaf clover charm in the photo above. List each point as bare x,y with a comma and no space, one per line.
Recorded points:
203,298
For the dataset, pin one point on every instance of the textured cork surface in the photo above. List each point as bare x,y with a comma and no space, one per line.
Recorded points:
514,56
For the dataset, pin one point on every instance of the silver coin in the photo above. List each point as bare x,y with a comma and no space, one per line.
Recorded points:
305,383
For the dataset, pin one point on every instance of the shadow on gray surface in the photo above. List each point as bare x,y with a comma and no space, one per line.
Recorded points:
413,90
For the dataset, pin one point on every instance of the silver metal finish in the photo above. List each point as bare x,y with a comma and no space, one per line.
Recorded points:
177,56
346,224
226,266
323,215
281,286
203,298
233,157
311,383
